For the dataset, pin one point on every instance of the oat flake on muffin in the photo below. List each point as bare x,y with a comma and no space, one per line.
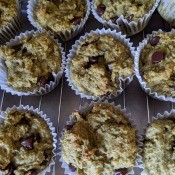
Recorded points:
31,62
132,10
157,64
101,141
59,16
26,143
99,62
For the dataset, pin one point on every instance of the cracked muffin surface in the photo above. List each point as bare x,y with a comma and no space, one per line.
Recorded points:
99,62
159,147
31,62
157,64
8,10
132,10
26,143
60,16
101,141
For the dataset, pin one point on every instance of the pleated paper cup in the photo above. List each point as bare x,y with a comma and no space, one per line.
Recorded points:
137,72
42,90
67,34
167,10
12,28
88,107
128,28
72,53
159,116
3,115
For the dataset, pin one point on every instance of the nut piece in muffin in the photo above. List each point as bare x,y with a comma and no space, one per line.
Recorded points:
59,16
8,11
31,62
132,10
101,141
159,147
26,143
99,62
157,64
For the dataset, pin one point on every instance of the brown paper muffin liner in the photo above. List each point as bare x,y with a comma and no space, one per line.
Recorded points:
66,35
42,90
128,28
84,109
49,123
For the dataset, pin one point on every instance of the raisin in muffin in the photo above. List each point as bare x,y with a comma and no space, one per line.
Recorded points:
101,141
8,11
26,143
159,147
31,62
157,65
99,62
132,10
59,16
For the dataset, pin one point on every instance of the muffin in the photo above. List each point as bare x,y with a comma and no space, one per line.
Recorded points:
61,16
26,143
157,65
98,64
159,147
101,141
132,10
31,62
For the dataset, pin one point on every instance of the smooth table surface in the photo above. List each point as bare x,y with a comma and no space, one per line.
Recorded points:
62,101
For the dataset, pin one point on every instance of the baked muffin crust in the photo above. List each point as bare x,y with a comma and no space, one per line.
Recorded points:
132,10
8,10
159,147
102,141
31,62
157,64
98,64
25,143
60,16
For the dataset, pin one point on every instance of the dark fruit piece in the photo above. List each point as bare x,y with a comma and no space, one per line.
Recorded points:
153,41
93,59
17,47
85,44
28,143
101,9
72,168
42,81
130,17
157,57
68,127
24,50
121,171
87,66
76,20
24,121
38,137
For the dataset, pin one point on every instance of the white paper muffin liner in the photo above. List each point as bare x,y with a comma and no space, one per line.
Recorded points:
72,53
66,35
42,90
12,28
167,10
49,123
84,109
159,116
136,62
128,28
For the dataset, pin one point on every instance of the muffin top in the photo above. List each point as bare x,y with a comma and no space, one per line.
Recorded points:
132,10
25,143
99,62
31,62
60,15
8,10
101,141
157,62
159,147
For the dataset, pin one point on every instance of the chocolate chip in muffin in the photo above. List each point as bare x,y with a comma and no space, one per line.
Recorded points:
130,17
24,50
85,44
76,20
157,57
68,127
154,40
72,168
28,143
24,121
17,47
121,171
101,9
